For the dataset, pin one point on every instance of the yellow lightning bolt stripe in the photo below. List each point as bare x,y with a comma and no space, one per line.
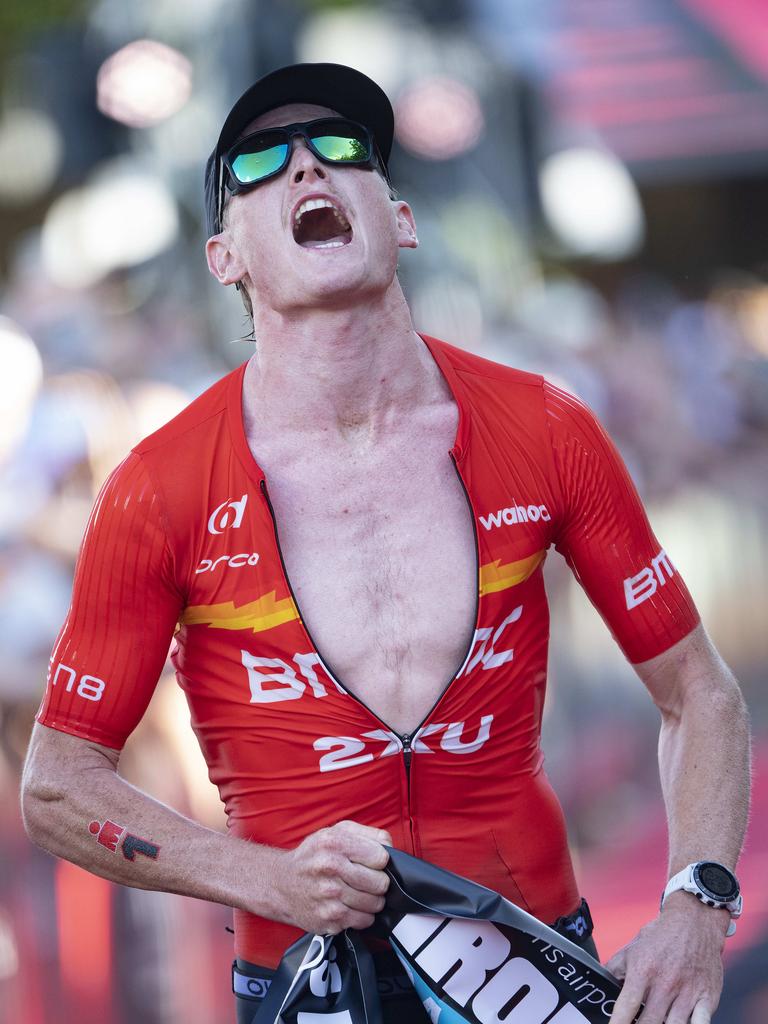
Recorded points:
495,576
264,613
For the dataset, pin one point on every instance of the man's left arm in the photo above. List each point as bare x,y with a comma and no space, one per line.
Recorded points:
674,964
601,528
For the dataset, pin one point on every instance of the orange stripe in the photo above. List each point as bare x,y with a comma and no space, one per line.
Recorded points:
264,613
267,612
494,576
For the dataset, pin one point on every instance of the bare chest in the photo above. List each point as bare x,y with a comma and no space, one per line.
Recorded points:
379,549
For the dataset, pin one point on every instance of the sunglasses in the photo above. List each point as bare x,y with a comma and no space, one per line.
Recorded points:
265,154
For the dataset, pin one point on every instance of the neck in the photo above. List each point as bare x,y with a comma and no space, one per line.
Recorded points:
347,370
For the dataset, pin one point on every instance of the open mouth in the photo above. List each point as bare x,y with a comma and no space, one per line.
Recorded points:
319,224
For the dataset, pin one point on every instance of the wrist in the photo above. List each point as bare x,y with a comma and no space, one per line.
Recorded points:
259,871
683,904
711,883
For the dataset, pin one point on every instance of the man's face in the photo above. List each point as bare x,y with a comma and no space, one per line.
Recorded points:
290,257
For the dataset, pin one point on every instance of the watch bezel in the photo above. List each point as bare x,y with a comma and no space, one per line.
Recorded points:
722,901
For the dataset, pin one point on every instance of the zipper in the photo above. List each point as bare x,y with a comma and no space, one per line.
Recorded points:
407,754
407,738
477,569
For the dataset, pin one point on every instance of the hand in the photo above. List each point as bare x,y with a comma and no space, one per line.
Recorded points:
335,879
673,965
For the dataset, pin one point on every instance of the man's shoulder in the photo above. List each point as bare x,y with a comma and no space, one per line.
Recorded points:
469,364
185,429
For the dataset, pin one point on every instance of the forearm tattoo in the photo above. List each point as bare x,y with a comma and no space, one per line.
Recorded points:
110,835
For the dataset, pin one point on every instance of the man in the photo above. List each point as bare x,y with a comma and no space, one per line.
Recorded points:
386,500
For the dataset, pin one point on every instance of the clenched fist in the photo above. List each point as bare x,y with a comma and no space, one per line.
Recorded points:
334,880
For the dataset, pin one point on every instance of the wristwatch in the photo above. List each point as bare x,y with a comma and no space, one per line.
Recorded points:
713,884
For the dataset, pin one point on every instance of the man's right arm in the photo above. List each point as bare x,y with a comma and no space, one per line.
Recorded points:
127,598
76,806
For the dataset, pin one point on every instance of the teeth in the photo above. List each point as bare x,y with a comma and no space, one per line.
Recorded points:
317,204
328,245
314,204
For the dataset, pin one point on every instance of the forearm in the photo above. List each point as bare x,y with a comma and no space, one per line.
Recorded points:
151,845
705,772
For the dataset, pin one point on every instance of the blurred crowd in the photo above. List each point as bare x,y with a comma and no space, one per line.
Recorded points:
94,360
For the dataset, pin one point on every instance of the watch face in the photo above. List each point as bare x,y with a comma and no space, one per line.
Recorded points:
717,881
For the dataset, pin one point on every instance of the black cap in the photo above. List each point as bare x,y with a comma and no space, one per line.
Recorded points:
337,86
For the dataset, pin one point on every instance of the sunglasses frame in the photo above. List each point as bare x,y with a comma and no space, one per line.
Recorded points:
229,180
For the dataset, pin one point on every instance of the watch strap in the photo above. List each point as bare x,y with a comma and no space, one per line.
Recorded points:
684,880
679,881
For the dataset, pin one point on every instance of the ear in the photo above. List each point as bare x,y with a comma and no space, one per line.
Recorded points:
223,259
406,226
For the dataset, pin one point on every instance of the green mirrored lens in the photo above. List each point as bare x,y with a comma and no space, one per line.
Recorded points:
250,167
341,148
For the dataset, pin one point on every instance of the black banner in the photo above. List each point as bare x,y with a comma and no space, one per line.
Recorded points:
472,957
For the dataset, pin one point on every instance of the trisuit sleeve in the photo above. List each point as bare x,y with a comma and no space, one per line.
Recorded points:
606,539
125,605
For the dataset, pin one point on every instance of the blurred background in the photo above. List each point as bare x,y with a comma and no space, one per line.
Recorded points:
589,180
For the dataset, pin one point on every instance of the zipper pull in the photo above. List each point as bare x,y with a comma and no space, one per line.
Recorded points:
407,752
